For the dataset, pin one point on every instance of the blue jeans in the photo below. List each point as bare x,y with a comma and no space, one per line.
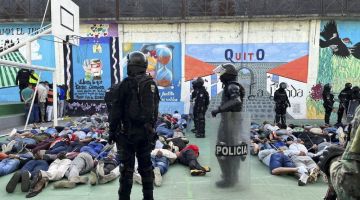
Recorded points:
34,166
93,149
34,115
23,141
8,165
164,131
265,146
57,148
161,162
280,160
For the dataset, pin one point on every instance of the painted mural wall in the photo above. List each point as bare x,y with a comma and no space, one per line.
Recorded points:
165,67
262,66
91,68
339,63
42,55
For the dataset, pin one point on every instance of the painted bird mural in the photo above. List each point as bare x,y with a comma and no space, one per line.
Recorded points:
339,46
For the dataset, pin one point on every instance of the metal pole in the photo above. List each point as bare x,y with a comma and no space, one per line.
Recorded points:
55,82
23,43
43,19
32,102
24,66
55,102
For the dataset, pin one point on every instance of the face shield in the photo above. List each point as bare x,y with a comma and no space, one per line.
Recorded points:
219,70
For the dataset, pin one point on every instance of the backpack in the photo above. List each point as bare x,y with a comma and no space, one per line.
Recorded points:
143,99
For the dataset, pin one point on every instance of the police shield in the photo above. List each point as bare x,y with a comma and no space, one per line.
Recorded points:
353,104
230,152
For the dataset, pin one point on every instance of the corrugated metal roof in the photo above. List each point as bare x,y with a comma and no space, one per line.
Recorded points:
8,74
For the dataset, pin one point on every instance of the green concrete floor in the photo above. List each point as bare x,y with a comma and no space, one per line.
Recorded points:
179,185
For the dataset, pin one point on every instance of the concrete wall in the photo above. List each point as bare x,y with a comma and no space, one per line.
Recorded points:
267,32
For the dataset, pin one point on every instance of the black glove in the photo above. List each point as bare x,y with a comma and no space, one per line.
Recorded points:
329,153
152,135
214,113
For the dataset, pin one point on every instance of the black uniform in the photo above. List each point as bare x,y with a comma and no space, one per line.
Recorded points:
344,98
135,135
22,80
200,107
328,104
281,103
231,101
355,94
192,99
109,96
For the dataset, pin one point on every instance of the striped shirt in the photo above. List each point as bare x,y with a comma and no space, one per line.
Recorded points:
50,97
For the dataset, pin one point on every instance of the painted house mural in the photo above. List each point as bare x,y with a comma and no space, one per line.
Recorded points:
262,66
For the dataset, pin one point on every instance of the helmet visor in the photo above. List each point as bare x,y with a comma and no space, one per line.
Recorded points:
219,70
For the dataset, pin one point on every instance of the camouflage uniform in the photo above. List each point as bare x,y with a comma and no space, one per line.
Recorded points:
345,173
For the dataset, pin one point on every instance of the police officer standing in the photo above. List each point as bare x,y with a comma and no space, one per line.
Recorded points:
281,103
229,135
328,104
344,98
133,116
192,102
200,107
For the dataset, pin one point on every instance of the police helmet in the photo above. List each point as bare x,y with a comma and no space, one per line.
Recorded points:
226,69
283,85
327,87
199,81
356,89
348,85
137,58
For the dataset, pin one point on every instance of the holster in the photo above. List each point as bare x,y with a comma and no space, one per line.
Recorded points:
152,136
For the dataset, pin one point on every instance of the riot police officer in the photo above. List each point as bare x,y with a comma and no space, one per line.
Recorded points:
192,102
281,103
355,94
133,116
328,104
200,107
230,106
344,98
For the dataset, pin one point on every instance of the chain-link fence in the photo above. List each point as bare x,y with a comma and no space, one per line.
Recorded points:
132,10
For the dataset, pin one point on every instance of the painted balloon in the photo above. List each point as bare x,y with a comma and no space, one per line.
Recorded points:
164,55
164,77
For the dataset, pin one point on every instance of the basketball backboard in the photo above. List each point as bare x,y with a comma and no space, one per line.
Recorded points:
65,20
